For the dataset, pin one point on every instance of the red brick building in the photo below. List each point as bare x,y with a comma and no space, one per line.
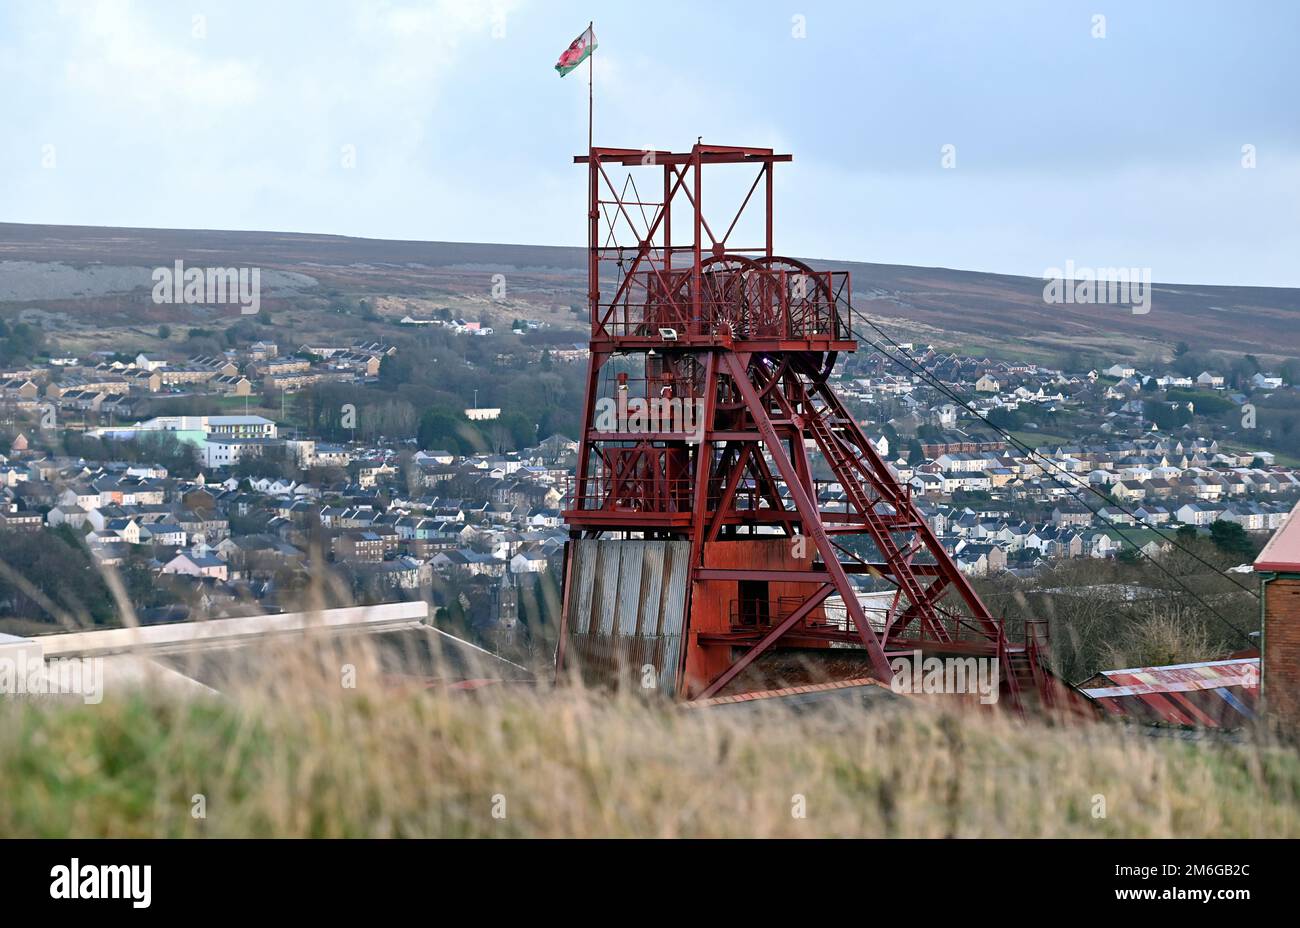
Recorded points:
1279,568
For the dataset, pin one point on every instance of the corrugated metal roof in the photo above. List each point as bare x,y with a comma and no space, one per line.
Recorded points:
1210,694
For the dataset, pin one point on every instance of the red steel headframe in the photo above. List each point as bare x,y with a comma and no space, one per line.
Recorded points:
749,339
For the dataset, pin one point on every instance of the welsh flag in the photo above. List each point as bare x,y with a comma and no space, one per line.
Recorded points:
577,52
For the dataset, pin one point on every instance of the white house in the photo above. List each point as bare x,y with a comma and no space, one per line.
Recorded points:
66,514
193,565
528,562
1197,513
165,534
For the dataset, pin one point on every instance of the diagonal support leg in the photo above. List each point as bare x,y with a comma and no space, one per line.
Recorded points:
812,523
811,603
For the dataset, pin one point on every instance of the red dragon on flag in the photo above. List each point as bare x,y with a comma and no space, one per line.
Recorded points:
577,52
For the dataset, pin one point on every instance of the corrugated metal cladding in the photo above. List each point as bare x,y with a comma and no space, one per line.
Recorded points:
1212,694
627,609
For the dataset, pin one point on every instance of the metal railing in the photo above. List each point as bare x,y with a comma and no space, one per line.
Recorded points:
742,304
746,613
636,493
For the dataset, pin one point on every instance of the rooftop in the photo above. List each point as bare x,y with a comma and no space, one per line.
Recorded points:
1282,553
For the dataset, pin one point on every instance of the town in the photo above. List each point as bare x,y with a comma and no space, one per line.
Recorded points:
210,512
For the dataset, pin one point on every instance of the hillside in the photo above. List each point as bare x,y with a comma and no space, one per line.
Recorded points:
318,761
82,280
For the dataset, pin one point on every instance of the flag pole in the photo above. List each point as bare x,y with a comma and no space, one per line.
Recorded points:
591,69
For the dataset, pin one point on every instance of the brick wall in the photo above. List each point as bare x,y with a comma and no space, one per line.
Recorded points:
1281,665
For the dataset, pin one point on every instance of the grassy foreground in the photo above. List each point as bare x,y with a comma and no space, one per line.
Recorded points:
321,761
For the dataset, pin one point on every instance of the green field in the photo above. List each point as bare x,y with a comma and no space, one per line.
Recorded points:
1036,439
1286,460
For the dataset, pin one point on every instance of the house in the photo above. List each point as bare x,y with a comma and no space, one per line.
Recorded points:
1103,544
232,384
66,514
144,362
201,525
1210,379
126,529
359,545
545,518
1197,513
19,389
401,574
528,562
21,520
994,556
1152,514
1075,514
1129,490
1250,516
163,534
196,565
927,484
470,562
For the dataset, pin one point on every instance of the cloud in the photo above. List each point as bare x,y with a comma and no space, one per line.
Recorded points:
128,64
442,119
220,117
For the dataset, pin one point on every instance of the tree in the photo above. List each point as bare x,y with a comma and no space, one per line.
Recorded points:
1128,554
1165,416
21,342
442,430
50,577
1006,419
164,332
396,369
1231,538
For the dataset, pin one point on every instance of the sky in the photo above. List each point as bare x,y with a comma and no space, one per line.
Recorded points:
1113,142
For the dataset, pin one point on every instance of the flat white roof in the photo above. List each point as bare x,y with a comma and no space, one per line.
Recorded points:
109,640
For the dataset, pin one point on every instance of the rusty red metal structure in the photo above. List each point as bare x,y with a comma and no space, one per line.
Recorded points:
724,496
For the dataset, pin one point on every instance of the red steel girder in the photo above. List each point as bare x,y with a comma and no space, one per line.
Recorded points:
753,338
